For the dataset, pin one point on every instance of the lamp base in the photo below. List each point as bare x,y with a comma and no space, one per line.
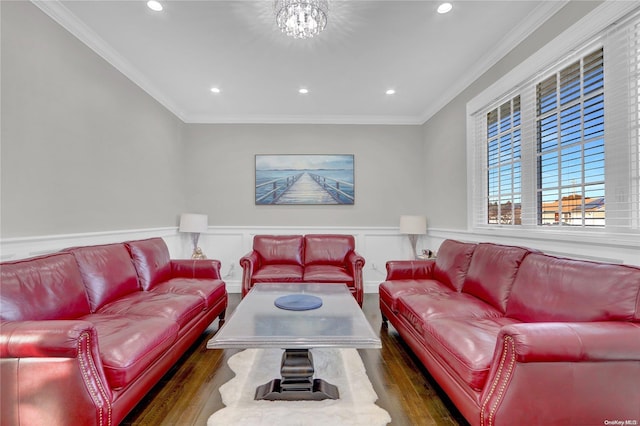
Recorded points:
198,254
413,239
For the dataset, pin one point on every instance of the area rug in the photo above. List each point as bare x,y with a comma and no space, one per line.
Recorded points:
341,367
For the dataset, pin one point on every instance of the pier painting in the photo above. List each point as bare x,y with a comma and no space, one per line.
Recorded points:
305,179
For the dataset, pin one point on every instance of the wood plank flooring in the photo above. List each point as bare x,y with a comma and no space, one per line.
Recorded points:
188,394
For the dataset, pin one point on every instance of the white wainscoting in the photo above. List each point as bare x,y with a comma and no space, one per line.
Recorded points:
596,247
376,244
20,248
227,244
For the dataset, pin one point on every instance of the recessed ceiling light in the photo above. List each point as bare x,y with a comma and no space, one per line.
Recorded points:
215,90
445,7
154,5
390,92
303,91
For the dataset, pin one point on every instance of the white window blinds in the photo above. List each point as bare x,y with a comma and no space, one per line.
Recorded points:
622,125
570,144
503,164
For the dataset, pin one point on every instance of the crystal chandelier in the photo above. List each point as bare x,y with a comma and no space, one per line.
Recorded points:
301,18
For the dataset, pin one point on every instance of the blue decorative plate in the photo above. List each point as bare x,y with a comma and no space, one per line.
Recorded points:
298,302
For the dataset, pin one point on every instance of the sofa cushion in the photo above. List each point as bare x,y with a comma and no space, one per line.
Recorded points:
107,272
466,346
279,249
210,291
327,249
180,308
453,262
492,271
278,273
549,289
129,344
42,288
390,291
151,260
419,309
327,274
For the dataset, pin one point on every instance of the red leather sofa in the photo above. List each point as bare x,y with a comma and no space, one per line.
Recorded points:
518,337
318,258
85,333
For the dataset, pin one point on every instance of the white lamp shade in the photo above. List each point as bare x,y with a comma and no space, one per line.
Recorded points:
192,222
413,225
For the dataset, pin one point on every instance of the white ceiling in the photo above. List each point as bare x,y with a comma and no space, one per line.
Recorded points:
178,54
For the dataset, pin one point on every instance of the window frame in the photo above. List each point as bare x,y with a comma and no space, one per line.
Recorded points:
581,38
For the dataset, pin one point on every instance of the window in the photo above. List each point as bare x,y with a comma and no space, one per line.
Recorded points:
503,159
570,145
559,148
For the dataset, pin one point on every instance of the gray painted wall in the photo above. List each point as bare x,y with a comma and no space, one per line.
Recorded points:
83,148
389,174
445,160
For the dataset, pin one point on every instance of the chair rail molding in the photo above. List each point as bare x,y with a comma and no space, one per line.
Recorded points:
228,244
600,248
376,244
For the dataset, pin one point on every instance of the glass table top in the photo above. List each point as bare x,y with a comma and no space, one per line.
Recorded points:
258,323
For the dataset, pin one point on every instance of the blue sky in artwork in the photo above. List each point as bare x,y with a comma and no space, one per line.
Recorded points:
304,162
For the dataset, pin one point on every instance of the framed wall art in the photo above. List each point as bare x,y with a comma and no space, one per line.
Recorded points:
304,179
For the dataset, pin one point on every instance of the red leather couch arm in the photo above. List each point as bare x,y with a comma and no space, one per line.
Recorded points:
28,339
356,260
59,365
196,268
409,269
250,263
542,372
356,264
574,342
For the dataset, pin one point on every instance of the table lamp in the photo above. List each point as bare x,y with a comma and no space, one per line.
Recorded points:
413,226
195,224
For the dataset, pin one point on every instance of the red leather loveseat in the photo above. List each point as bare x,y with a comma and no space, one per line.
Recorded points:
318,258
517,337
85,333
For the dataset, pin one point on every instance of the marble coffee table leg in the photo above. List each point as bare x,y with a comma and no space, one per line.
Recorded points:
297,382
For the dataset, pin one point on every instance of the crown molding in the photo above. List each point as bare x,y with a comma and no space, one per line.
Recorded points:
305,119
563,46
63,16
536,18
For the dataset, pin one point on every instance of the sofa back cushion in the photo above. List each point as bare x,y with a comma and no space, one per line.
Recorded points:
42,288
492,271
152,261
107,272
549,289
453,262
323,249
279,249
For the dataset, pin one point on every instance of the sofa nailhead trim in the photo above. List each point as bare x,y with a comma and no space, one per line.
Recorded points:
85,339
508,344
512,363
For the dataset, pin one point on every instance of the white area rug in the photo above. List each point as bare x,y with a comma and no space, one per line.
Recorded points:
341,367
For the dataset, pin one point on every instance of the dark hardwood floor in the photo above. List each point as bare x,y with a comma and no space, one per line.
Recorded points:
188,394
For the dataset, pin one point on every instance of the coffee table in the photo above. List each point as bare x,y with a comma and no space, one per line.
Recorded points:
258,323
